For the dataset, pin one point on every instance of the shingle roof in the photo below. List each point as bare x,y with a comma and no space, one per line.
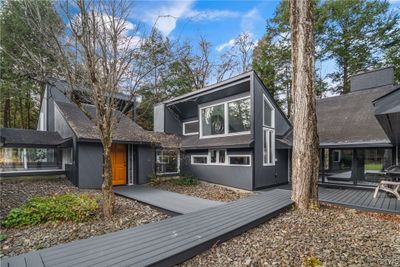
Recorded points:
349,119
13,137
193,142
126,131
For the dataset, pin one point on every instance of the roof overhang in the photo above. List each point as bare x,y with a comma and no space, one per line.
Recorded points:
343,145
27,138
387,112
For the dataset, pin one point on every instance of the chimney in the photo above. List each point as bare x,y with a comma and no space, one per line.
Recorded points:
370,79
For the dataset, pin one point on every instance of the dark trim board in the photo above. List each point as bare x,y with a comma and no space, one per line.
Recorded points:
164,243
30,173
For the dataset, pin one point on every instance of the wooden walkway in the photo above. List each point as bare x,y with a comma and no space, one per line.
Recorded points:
165,200
164,243
360,199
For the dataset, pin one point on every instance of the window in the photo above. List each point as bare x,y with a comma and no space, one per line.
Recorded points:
268,146
228,118
191,127
239,160
336,155
199,159
167,161
212,120
268,133
268,114
217,156
239,115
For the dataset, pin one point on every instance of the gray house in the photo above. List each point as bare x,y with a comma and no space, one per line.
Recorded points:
232,133
67,141
360,131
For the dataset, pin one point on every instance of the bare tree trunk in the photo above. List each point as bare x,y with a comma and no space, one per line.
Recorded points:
107,187
305,157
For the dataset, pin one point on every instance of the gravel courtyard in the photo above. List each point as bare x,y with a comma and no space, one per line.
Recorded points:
335,236
204,190
128,213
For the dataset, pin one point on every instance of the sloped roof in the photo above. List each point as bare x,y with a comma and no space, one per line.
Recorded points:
126,131
193,142
13,137
349,119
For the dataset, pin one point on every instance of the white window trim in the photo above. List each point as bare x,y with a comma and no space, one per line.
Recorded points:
184,128
199,156
178,165
271,162
227,159
239,155
272,113
217,163
269,128
226,119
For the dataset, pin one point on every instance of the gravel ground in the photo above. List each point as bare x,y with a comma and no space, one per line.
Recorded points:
336,236
204,190
128,213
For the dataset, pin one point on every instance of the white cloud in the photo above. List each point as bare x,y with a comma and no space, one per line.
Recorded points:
200,15
165,16
223,46
250,20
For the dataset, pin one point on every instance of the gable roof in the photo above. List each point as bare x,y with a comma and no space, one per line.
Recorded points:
349,120
127,131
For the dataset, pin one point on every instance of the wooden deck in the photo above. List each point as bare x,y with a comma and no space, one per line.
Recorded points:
165,200
165,243
360,199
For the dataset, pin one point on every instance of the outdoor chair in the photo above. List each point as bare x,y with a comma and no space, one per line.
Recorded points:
393,186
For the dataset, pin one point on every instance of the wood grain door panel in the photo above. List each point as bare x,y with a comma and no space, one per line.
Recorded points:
118,159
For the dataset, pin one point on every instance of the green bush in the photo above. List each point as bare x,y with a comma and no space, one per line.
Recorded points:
67,207
186,180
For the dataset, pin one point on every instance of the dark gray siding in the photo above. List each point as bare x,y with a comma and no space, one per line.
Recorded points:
235,176
90,165
146,167
282,166
172,123
266,175
370,79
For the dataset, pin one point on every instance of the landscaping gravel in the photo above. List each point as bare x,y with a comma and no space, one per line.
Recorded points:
204,190
335,236
128,213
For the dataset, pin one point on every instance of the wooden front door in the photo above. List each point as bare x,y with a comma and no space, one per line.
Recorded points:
118,159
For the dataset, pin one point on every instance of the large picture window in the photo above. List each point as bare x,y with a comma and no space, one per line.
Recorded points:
228,118
213,120
167,161
239,115
268,133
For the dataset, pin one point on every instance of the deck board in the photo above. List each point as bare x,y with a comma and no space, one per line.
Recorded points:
164,243
360,199
169,201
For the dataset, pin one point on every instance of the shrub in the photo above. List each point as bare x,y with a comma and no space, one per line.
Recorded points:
311,261
186,180
66,207
154,179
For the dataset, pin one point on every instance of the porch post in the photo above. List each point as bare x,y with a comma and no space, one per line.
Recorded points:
322,152
357,165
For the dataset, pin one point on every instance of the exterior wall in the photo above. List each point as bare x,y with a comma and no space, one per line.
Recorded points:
60,124
146,160
172,123
235,176
267,175
90,165
158,118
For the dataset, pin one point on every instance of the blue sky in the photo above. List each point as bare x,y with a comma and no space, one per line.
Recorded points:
218,21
